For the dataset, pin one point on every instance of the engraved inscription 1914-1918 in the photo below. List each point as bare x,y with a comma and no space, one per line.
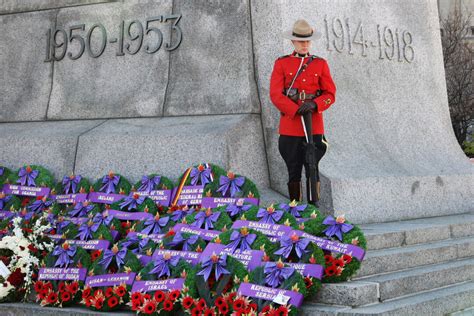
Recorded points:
391,44
131,38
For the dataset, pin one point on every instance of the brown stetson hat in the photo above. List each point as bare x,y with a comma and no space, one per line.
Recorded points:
301,31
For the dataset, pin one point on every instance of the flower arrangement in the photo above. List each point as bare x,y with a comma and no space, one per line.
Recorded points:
208,218
112,183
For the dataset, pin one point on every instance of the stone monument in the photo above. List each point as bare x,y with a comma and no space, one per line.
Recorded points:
156,86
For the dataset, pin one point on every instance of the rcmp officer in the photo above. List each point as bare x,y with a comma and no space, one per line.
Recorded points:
301,85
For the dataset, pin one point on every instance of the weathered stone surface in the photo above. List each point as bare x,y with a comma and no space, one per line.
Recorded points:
378,167
14,6
348,293
423,278
110,85
26,79
28,309
311,309
50,144
432,303
212,71
169,145
393,259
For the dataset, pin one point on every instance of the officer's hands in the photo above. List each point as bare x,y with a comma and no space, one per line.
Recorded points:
307,107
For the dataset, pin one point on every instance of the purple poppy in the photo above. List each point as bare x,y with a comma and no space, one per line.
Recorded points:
65,255
241,239
109,182
235,210
288,243
203,173
178,240
149,183
27,176
269,215
81,209
336,226
231,184
155,224
161,265
101,218
70,184
208,218
114,253
276,273
214,262
293,208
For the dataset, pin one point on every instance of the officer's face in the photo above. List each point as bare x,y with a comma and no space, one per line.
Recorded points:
302,47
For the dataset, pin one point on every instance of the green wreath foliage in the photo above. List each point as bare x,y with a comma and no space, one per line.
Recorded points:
223,222
13,203
316,227
149,247
248,189
102,233
261,242
198,288
123,186
148,206
44,179
6,173
165,183
257,276
200,244
83,187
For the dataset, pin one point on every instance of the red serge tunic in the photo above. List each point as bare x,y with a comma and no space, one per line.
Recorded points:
315,77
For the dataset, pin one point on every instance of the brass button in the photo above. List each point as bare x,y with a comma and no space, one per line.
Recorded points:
304,80
291,73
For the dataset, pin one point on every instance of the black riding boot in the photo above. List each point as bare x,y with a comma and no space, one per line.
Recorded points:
314,200
294,189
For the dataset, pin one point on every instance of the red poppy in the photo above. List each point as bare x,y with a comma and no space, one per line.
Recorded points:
113,301
32,248
328,259
338,263
120,291
87,301
223,309
347,259
159,296
231,297
239,305
147,296
137,296
95,255
136,304
40,296
330,271
73,287
219,301
188,302
38,286
308,282
173,295
86,292
253,306
281,311
168,305
196,312
52,298
149,307
266,309
65,296
201,304
109,292
99,302
209,312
